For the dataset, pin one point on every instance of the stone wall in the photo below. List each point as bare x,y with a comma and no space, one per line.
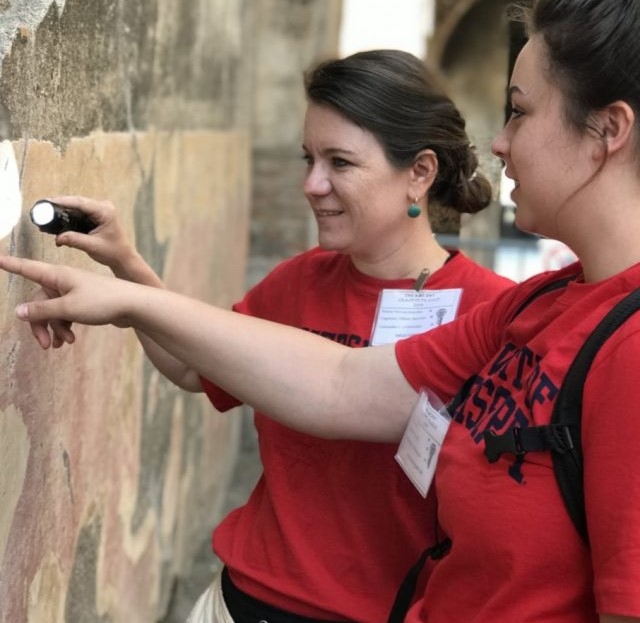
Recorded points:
293,35
110,478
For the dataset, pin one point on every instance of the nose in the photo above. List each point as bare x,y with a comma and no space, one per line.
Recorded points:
316,182
500,144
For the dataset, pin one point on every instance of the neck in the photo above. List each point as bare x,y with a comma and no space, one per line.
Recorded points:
604,232
407,261
613,254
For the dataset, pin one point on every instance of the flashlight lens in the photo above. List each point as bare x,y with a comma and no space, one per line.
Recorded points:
42,213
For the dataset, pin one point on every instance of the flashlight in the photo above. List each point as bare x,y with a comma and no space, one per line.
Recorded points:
52,218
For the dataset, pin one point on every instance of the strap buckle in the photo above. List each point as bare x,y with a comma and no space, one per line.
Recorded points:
496,445
557,438
560,439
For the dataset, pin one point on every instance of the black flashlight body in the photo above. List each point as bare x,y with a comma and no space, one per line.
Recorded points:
52,218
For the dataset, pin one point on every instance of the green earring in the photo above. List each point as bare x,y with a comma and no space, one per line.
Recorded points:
414,209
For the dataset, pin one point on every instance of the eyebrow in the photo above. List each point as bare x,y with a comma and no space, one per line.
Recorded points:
333,150
515,89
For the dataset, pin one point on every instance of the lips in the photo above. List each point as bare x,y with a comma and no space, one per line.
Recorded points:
514,180
325,213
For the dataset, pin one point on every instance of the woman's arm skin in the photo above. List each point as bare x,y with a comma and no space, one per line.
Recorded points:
109,244
302,380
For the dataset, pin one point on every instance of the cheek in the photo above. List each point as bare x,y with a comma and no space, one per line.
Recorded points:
521,145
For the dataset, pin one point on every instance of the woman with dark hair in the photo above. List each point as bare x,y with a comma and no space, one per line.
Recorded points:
332,527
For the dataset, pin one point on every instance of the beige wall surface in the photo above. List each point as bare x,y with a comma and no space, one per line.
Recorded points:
110,477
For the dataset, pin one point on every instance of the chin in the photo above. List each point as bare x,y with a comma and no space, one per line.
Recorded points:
525,226
329,244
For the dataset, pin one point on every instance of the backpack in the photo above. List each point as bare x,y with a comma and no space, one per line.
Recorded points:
561,436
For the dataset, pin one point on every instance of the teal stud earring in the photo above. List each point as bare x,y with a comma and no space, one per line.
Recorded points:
414,209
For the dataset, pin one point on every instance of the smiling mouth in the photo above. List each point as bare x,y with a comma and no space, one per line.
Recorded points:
325,213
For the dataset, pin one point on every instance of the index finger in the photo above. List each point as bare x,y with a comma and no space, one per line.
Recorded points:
38,272
91,207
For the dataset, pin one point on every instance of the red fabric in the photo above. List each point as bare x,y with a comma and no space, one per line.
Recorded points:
332,527
516,555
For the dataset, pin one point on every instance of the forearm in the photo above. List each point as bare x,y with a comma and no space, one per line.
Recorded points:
132,267
169,366
300,379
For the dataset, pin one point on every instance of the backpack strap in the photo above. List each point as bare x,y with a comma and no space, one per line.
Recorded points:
549,287
562,437
407,589
567,413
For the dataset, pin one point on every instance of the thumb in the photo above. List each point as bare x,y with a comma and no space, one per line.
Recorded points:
39,311
73,239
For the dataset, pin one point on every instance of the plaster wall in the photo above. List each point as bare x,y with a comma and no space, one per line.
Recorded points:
110,478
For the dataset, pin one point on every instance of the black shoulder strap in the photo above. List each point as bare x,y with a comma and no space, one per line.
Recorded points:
549,287
407,589
567,411
563,435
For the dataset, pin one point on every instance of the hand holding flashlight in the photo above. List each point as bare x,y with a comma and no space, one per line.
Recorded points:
108,244
52,218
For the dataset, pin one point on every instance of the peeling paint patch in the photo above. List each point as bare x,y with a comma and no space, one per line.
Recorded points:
135,544
14,450
23,16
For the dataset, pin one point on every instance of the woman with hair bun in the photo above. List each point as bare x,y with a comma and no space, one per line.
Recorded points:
332,527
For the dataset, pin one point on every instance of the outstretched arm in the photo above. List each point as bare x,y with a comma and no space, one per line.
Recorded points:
109,244
301,380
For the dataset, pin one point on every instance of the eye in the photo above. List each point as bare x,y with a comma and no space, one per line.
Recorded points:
308,159
515,112
340,163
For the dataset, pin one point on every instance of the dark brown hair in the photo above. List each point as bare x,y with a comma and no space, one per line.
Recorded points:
392,94
593,51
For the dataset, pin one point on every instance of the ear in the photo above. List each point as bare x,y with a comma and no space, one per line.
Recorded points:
422,173
617,123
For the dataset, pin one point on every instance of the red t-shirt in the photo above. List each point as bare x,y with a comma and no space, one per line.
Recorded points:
516,555
332,527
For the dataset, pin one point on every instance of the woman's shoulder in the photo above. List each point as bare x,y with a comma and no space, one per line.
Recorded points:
478,282
290,280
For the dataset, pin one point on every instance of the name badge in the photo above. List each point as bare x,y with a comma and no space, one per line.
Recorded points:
420,446
402,313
